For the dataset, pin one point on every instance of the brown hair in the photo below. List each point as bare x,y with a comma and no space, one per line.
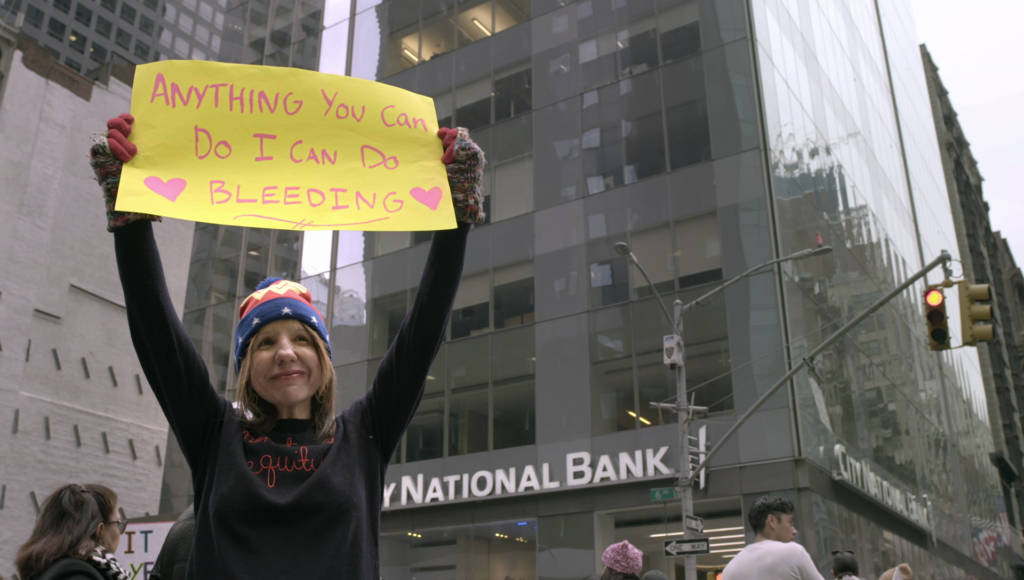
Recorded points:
66,527
260,415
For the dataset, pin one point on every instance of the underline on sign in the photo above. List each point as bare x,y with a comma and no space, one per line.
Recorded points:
304,224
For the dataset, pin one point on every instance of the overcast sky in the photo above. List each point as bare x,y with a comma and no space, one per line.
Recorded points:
979,50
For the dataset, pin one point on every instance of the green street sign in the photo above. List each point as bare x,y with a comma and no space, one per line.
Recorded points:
663,493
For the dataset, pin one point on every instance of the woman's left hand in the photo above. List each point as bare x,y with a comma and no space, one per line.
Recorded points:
464,161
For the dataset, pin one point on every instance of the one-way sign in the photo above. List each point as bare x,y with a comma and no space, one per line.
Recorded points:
687,547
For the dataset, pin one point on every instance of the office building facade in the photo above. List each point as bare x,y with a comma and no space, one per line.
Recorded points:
75,404
711,136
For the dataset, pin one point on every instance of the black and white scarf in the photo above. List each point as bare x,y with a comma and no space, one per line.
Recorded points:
107,565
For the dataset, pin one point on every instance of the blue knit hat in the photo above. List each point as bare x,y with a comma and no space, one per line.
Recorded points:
276,299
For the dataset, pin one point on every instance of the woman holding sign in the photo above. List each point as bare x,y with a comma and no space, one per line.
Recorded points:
283,488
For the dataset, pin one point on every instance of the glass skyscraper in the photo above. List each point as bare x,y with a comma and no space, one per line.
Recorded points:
711,136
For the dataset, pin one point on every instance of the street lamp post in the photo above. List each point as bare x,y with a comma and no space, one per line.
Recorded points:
685,411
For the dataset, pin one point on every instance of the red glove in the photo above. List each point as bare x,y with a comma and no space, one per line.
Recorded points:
107,157
448,137
118,130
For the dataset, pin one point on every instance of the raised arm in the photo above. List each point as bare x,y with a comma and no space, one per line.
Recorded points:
398,386
169,360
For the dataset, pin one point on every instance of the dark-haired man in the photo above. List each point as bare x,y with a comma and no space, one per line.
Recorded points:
773,555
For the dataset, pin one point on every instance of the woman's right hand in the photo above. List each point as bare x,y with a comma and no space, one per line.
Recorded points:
118,130
107,156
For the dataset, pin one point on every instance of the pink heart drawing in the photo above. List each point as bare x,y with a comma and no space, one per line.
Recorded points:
430,198
170,189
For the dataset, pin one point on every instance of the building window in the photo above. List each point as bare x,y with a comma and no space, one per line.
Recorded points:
623,139
146,24
702,261
609,273
443,106
425,436
123,39
468,396
103,27
686,112
473,104
653,249
471,313
513,295
34,16
62,5
83,15
638,47
110,5
151,4
73,65
513,361
613,407
56,29
388,314
486,550
513,92
98,53
141,50
679,28
438,32
77,42
128,14
388,242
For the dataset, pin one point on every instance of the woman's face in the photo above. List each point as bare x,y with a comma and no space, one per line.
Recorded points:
109,534
285,368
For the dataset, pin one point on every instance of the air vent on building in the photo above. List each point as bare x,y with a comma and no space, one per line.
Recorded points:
56,358
106,444
138,383
28,350
35,502
113,377
159,458
131,447
85,367
78,437
14,427
3,495
46,427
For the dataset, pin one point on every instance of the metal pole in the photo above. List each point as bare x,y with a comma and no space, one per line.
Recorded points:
685,483
943,257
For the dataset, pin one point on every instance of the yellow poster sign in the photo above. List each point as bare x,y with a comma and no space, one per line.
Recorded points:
283,148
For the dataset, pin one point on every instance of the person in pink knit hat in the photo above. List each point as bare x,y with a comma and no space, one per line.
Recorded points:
623,561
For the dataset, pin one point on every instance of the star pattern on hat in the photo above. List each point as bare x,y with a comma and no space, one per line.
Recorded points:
286,310
313,318
255,321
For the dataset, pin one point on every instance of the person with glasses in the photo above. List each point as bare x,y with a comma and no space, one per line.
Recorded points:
844,565
286,486
78,530
774,555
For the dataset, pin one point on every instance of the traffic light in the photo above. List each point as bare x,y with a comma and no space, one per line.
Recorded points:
971,312
935,317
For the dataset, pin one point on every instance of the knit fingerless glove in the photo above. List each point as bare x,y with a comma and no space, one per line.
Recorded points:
464,161
105,157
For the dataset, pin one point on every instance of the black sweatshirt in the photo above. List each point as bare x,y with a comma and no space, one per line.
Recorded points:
280,505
